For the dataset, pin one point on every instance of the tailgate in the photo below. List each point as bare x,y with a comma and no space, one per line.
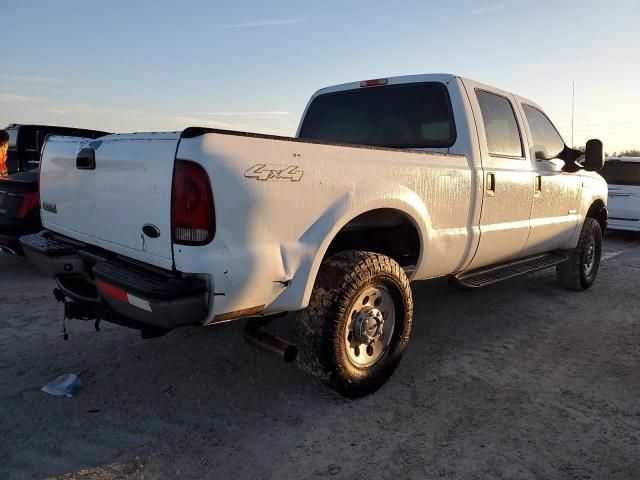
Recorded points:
12,190
109,205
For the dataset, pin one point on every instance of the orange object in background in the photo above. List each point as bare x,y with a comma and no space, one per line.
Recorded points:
4,148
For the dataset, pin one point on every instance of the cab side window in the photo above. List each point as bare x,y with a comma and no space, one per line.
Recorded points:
547,142
500,125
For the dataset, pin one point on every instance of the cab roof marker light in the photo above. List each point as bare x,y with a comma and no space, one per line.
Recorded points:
374,83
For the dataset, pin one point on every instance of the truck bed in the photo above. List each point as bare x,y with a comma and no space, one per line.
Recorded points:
277,199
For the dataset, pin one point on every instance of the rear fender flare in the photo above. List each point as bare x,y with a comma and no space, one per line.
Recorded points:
315,241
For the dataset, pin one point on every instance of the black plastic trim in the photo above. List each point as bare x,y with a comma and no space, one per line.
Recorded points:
50,245
146,283
194,132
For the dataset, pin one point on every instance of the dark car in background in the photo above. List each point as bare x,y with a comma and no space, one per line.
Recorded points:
19,196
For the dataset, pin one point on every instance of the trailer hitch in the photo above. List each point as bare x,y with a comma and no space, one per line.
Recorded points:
78,311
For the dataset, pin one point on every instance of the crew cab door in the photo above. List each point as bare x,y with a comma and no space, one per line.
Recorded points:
554,216
508,176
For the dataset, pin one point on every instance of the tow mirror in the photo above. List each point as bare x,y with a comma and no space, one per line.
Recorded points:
594,156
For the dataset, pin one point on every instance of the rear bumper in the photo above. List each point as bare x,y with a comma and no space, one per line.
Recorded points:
10,244
11,229
109,287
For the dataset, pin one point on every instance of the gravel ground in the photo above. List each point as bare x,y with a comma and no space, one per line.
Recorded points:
523,380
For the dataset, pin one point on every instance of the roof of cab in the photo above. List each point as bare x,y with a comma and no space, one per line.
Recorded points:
427,77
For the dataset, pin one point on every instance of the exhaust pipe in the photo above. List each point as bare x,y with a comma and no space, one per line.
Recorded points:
256,336
8,250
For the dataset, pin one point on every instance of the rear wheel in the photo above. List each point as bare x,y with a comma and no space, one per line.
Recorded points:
580,270
356,328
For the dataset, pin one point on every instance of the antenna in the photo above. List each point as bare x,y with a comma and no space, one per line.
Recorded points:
573,109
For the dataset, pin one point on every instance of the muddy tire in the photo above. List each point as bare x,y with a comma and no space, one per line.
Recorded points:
580,271
357,326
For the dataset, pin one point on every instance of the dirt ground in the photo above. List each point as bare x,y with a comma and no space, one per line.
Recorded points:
523,380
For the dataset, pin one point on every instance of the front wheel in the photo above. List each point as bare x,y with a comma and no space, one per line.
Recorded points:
580,270
356,328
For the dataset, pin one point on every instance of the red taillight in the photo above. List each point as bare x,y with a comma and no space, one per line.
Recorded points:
30,201
374,83
192,214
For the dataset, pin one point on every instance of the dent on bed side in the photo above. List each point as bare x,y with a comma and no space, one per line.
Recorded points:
301,259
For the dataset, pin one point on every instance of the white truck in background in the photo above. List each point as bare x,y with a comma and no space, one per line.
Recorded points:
623,176
387,181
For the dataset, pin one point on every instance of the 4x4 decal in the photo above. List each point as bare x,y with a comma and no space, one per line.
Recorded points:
274,172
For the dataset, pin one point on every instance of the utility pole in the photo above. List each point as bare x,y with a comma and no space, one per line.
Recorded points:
573,103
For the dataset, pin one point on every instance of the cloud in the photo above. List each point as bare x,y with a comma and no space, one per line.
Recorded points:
268,23
13,98
494,7
31,79
190,121
539,65
86,108
203,122
267,114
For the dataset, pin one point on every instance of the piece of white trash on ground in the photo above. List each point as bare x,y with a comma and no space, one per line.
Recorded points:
66,385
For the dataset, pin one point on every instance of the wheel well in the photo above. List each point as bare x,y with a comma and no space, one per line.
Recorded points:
598,211
384,230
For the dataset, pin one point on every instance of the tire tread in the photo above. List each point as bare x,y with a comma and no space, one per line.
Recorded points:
317,327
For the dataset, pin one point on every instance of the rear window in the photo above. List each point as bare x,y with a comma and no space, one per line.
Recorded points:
621,173
13,137
397,116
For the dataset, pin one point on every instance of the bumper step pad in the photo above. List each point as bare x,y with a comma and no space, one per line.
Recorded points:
50,245
146,283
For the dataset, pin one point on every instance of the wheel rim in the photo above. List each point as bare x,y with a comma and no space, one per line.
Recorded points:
589,256
370,326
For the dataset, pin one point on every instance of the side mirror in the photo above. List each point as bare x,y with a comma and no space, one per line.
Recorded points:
594,156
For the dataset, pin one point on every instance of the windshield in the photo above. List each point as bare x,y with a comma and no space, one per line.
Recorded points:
616,172
401,116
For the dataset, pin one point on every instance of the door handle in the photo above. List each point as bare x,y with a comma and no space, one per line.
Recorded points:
86,159
491,184
538,184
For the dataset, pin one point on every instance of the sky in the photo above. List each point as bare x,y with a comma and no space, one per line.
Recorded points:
127,66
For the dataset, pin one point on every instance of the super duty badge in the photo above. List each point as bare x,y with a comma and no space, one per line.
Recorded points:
50,207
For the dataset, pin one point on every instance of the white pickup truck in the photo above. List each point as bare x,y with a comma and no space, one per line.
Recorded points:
623,177
387,181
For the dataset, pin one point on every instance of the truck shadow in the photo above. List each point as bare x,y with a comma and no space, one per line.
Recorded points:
205,388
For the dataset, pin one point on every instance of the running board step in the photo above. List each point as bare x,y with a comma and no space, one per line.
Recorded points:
497,273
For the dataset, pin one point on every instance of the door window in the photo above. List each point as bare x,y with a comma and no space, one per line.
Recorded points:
500,125
547,142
